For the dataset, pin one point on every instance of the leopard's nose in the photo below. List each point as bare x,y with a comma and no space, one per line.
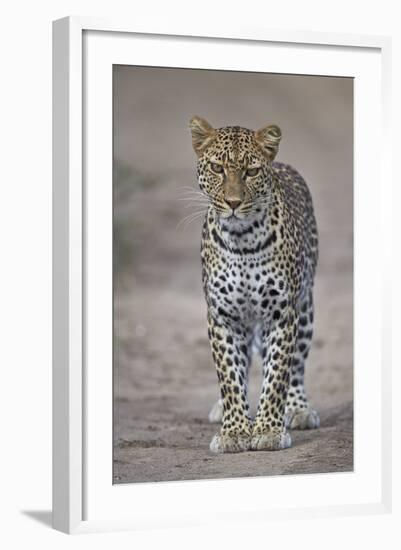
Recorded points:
233,203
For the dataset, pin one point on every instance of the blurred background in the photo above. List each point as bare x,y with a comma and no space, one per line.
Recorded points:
164,379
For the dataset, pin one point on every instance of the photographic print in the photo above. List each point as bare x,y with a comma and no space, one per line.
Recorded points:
232,274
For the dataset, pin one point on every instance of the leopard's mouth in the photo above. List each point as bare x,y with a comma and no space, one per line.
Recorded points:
230,216
233,216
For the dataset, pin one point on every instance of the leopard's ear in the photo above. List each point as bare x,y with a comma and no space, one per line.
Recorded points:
269,138
202,134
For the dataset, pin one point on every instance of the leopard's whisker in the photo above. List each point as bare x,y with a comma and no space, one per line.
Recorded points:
189,197
203,200
189,187
193,192
196,204
191,217
191,220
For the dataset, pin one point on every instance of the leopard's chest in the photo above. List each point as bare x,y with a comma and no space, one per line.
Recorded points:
242,288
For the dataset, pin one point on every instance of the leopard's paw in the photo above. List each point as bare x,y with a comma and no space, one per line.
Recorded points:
307,419
216,412
230,443
270,441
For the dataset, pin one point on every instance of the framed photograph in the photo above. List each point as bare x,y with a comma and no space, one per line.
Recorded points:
220,337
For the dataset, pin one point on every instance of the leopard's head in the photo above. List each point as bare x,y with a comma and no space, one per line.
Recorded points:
234,166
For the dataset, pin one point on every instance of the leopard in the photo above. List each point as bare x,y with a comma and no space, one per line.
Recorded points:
259,252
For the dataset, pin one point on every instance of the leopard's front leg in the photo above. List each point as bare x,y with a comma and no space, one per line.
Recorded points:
269,431
230,350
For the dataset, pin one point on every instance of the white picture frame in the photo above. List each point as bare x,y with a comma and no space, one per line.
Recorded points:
84,498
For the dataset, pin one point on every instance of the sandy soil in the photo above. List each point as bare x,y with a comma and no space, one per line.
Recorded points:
164,379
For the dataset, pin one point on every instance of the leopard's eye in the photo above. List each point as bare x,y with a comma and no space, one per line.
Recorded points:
252,172
217,168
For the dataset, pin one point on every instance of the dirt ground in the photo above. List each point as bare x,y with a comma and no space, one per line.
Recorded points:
164,379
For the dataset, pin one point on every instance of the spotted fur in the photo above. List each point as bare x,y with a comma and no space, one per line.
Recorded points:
259,252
